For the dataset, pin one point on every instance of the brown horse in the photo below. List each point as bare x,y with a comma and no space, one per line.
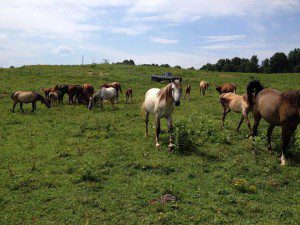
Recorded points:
203,86
46,91
115,85
236,103
188,92
129,94
28,97
277,109
226,88
88,91
73,91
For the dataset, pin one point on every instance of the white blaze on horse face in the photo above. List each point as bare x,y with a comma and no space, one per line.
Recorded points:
176,92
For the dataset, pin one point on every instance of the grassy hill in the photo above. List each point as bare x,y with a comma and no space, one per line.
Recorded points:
71,165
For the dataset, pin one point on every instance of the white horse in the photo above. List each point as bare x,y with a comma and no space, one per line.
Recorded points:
103,94
160,102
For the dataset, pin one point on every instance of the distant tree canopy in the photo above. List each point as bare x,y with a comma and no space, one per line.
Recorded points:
278,63
127,62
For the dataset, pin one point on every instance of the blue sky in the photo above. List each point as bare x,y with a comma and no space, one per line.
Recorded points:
178,32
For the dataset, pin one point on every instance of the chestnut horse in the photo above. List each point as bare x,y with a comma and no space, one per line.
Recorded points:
188,92
128,94
160,102
73,91
277,109
226,88
46,91
28,97
115,85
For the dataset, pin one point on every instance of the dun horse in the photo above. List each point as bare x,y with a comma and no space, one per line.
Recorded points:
103,94
277,109
203,86
160,102
236,103
28,97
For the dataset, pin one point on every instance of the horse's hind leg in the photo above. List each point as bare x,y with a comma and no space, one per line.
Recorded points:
13,109
33,107
225,111
240,123
287,132
257,118
157,132
146,123
21,106
269,134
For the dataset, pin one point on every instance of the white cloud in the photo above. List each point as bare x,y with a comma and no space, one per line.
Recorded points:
223,38
3,37
132,31
63,49
163,40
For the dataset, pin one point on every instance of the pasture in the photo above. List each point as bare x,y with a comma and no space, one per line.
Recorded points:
71,165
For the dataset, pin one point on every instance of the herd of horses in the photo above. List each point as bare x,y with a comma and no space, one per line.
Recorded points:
276,108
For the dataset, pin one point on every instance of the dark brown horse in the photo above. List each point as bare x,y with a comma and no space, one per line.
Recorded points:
63,89
188,92
115,85
129,94
278,109
73,90
226,88
28,97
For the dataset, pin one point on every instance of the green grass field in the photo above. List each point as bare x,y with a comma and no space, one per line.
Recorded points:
70,165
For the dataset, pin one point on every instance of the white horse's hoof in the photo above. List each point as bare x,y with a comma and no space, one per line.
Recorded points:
171,147
283,160
157,145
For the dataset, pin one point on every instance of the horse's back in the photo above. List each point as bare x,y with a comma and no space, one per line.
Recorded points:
24,96
108,93
268,102
150,99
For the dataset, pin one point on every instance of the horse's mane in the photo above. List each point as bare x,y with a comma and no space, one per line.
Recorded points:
165,93
291,97
253,88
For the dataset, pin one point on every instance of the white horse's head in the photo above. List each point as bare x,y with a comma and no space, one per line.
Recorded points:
176,91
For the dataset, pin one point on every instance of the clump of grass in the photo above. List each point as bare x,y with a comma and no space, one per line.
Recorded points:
242,185
186,137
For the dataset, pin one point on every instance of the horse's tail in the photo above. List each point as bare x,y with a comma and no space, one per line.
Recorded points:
253,88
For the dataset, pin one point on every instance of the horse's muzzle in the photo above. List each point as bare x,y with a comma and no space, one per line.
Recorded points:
177,103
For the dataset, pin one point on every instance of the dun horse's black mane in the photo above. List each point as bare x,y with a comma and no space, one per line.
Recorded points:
291,97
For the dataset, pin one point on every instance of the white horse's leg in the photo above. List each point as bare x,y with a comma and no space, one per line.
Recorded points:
170,129
146,122
157,132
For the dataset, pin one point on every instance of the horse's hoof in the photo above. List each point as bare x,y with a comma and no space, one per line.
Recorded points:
157,145
283,161
171,147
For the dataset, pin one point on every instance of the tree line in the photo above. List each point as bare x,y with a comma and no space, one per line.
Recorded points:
278,63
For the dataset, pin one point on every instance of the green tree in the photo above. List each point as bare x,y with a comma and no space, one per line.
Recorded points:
279,63
294,57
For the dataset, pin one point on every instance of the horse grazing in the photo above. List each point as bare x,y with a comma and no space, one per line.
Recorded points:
73,91
129,94
226,88
46,91
88,91
160,102
203,86
236,103
102,95
55,97
277,109
28,97
63,88
115,85
188,92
